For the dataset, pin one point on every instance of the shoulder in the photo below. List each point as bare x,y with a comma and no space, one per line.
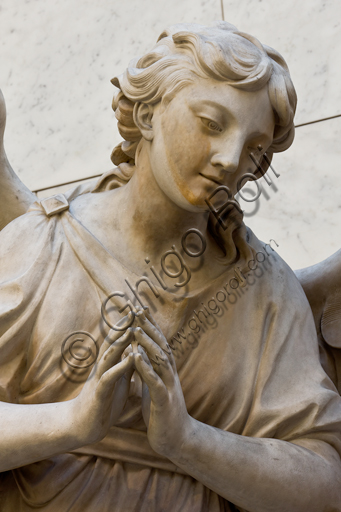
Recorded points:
34,239
276,281
92,208
21,240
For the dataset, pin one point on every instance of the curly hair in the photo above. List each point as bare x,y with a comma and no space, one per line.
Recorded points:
183,53
187,51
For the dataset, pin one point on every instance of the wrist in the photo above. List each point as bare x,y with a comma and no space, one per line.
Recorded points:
183,441
77,430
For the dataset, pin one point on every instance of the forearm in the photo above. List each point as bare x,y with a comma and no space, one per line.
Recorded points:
29,433
261,475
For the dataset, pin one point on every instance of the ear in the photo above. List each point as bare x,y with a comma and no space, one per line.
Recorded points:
143,115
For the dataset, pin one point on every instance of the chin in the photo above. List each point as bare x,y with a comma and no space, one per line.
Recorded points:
189,202
199,207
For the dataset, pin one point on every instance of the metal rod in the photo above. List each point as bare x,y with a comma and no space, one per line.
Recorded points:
318,120
67,183
98,175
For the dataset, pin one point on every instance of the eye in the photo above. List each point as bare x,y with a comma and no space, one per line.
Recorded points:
211,125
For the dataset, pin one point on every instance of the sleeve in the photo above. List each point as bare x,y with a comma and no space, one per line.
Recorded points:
28,256
293,397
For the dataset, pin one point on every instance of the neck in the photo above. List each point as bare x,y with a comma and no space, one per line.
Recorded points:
154,222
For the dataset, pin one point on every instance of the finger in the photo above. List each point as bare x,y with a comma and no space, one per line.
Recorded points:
122,386
153,350
121,392
146,312
152,331
113,353
145,403
157,389
150,317
155,334
114,335
156,357
108,380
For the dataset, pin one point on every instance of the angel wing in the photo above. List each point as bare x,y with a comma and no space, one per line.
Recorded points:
322,286
15,197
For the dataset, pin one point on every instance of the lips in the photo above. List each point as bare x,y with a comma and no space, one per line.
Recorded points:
215,179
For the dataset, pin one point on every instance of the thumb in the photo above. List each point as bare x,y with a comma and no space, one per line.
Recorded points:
146,401
120,394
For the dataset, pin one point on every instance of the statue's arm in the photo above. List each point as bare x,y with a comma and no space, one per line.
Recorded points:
257,474
15,197
34,432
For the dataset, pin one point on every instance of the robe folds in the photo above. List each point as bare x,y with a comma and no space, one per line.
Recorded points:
248,364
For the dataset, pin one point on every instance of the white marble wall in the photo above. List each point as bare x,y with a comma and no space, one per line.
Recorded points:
302,209
304,214
57,60
56,64
307,34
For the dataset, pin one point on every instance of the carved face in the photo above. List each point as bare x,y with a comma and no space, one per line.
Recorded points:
202,139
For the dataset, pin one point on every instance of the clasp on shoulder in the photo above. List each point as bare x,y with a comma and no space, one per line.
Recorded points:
54,204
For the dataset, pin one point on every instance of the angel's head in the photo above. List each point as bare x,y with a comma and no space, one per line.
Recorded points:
202,99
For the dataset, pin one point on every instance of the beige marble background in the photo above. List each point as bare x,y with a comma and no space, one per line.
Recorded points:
56,64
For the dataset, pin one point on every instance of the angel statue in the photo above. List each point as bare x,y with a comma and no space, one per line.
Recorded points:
205,391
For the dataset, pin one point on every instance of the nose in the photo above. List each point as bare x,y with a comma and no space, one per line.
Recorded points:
227,162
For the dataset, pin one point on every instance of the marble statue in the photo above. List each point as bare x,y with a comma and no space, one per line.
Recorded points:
15,198
322,285
205,391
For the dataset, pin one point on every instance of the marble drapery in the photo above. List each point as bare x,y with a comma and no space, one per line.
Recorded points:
264,378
